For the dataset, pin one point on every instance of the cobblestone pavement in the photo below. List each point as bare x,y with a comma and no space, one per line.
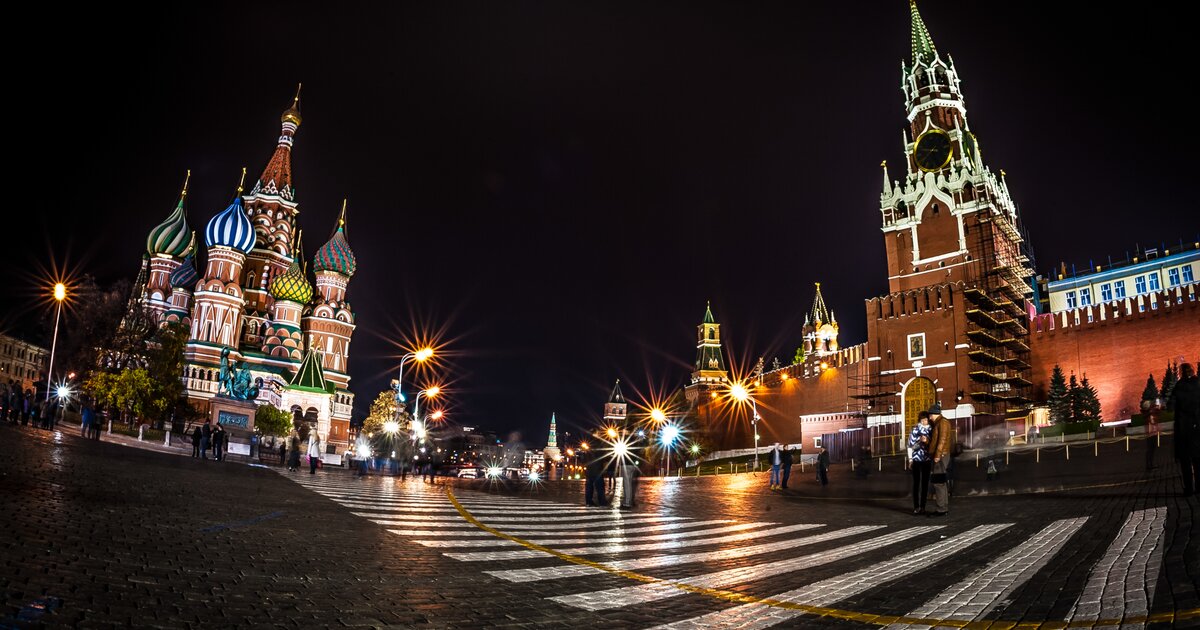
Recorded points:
96,534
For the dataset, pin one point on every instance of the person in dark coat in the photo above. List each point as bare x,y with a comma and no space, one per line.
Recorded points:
293,461
283,452
594,483
205,440
1185,402
218,442
786,460
823,467
196,442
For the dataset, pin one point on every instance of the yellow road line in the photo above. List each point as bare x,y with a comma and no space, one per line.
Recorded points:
821,611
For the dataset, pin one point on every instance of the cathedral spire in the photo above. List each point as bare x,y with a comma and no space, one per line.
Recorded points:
924,51
617,396
708,316
276,179
820,313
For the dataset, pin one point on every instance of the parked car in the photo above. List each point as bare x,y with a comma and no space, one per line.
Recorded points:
468,472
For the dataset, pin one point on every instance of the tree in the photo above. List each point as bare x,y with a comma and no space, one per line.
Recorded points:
1089,401
1170,378
800,356
1075,395
1059,399
1150,394
383,409
270,420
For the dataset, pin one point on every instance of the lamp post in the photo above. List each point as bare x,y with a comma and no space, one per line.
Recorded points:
741,393
60,294
420,356
428,393
669,433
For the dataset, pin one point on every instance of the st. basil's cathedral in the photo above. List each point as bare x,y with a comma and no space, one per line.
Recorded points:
254,296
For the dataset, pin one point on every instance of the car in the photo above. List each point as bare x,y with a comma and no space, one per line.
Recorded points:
468,473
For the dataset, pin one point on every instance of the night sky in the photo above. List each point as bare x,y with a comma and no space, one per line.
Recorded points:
555,189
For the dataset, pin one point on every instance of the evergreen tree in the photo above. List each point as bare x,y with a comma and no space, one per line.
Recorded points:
1150,394
1170,378
1089,401
1059,399
1075,396
799,358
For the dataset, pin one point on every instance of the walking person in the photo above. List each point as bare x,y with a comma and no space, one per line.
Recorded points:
921,465
205,439
786,460
218,442
196,441
776,460
940,451
314,452
95,429
293,461
1185,402
823,466
87,415
283,452
594,479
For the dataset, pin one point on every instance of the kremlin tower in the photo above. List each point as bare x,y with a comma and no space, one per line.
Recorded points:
256,298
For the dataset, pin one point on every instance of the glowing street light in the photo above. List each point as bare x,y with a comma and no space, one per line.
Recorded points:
420,356
612,433
391,427
658,415
60,294
668,436
695,449
741,393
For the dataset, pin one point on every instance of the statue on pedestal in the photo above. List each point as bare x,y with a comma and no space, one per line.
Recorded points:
234,380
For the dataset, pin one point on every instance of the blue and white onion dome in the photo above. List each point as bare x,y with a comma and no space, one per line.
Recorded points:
231,228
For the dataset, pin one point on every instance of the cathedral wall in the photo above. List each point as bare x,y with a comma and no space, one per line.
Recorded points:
1118,348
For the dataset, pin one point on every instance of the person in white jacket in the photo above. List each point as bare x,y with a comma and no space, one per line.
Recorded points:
314,452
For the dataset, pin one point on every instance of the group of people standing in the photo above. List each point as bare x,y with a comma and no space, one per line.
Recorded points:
208,436
18,405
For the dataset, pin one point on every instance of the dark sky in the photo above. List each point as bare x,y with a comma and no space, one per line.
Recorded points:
558,187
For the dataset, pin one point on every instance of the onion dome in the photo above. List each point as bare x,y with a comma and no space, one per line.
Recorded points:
336,255
291,285
185,275
171,237
231,227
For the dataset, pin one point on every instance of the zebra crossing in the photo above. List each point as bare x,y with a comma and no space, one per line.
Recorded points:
544,540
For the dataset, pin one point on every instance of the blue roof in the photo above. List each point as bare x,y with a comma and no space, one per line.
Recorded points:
1124,271
231,228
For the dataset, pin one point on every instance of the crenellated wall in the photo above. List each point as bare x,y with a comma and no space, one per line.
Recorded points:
1117,345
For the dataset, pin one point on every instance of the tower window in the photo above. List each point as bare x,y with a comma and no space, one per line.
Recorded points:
1187,274
936,210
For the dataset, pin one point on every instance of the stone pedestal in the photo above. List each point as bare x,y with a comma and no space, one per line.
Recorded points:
237,418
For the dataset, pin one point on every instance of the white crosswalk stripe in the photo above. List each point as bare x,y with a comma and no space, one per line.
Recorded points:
644,593
826,592
982,591
1121,584
551,573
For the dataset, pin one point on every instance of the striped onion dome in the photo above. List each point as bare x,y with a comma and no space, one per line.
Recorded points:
171,237
291,285
335,255
185,275
231,228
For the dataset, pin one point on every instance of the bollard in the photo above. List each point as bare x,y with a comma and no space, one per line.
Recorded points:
1097,445
141,429
167,439
851,464
1038,455
1126,443
1005,457
1068,452
977,460
880,464
1158,439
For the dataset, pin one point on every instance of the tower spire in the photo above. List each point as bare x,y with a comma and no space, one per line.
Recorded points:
922,43
820,313
887,184
186,178
242,182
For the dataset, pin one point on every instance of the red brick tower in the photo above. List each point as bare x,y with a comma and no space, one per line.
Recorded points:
958,268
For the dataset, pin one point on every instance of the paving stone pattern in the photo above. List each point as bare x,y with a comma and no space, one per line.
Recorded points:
97,534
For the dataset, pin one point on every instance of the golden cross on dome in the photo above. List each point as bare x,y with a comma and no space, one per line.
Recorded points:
186,179
242,181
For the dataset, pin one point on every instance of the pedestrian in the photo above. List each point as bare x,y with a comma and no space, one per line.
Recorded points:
87,416
362,452
205,439
293,461
594,479
1185,402
44,414
95,432
786,460
629,475
196,441
283,452
940,451
314,452
218,442
920,462
776,459
823,466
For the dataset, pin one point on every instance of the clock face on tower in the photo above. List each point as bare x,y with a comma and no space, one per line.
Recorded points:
932,150
970,146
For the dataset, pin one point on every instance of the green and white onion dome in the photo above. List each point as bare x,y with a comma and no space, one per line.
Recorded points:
291,285
171,237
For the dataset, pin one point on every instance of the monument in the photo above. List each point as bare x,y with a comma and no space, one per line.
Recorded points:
233,407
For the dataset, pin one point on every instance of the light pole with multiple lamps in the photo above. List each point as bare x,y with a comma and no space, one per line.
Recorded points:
60,294
420,356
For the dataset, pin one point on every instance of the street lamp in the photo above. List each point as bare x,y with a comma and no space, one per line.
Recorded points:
60,294
740,393
669,434
418,424
420,356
